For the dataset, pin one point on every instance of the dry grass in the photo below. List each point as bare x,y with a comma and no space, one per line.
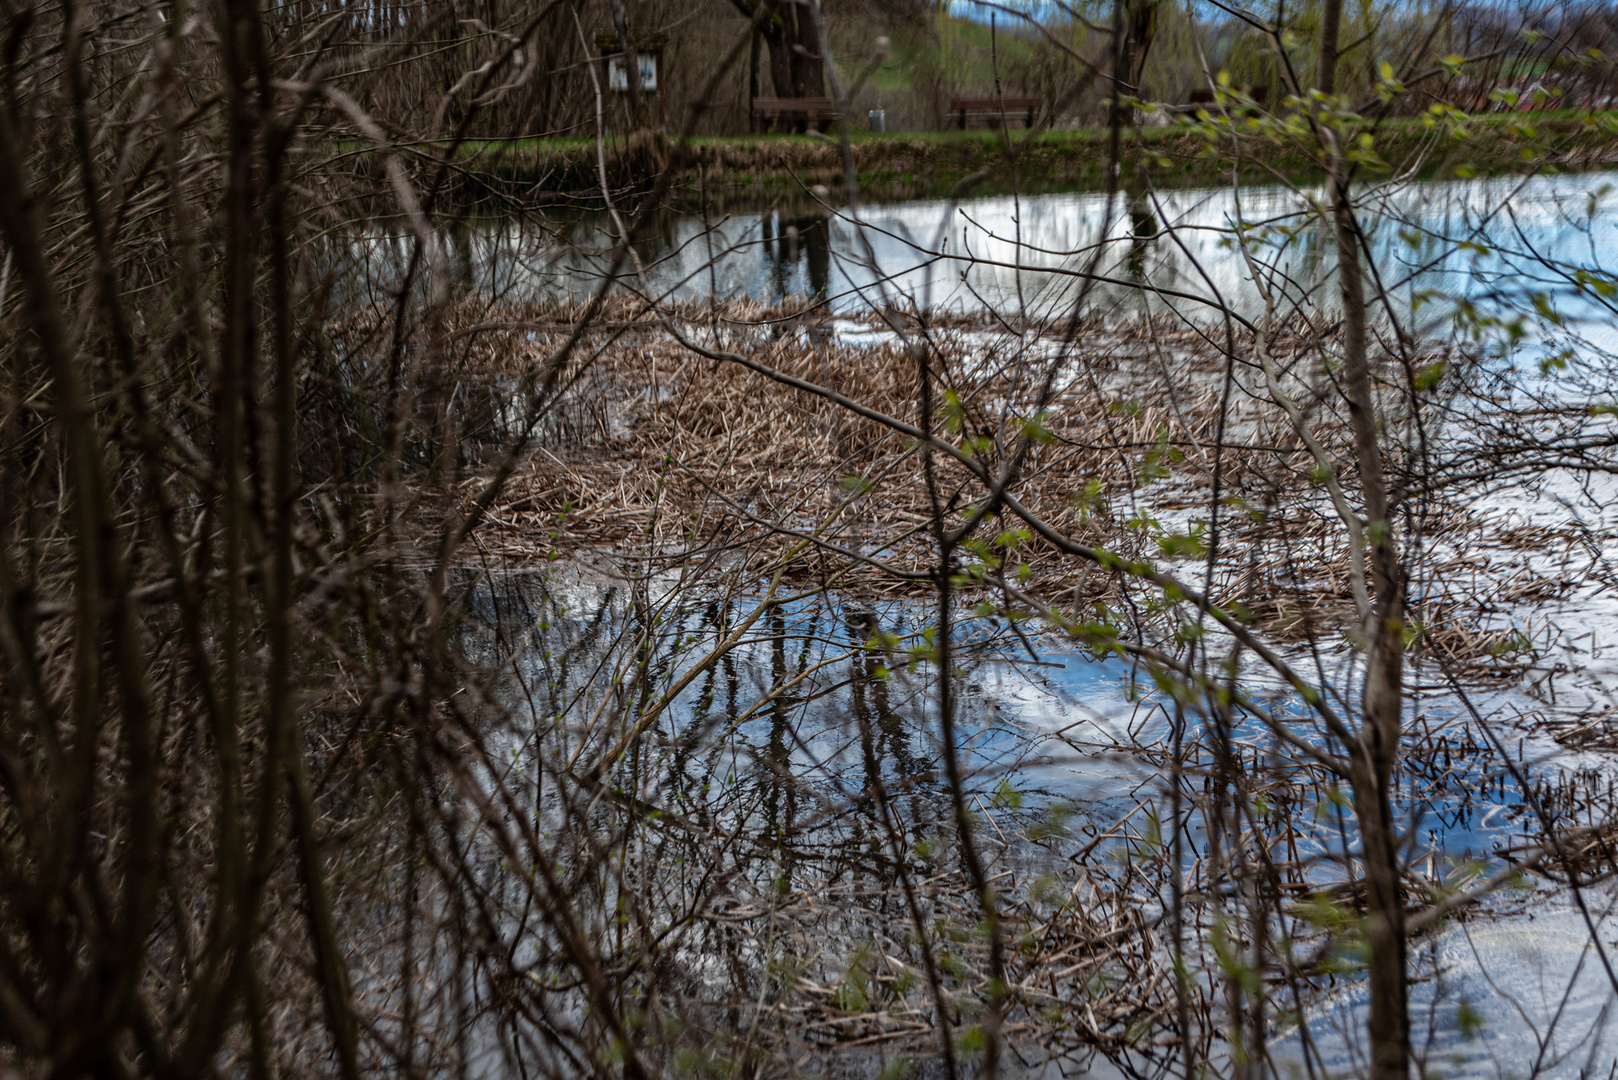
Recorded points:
656,445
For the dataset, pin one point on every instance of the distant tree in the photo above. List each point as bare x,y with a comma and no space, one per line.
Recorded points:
791,30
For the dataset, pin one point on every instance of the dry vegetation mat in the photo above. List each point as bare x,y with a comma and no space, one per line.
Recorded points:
656,445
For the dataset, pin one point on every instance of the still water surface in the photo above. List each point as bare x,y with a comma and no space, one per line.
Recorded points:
1061,727
1491,242
1057,727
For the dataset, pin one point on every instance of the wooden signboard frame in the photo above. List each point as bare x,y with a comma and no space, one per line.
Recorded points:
650,47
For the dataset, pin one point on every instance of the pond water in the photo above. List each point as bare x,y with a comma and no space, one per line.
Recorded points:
1052,728
1055,725
1044,726
1492,242
1523,995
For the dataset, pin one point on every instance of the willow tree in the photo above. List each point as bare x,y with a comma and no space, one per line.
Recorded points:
791,31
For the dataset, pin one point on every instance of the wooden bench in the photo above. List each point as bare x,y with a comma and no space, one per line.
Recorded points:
996,107
808,111
1203,97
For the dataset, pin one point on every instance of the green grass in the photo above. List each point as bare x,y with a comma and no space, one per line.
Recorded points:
922,163
1556,119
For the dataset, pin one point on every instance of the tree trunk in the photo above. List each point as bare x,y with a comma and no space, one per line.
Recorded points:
1389,1023
1140,28
1382,700
755,82
631,62
793,35
1331,17
791,31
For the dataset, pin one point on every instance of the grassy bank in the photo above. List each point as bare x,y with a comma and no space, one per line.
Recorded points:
915,164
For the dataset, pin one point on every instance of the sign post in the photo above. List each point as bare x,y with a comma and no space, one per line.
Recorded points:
648,53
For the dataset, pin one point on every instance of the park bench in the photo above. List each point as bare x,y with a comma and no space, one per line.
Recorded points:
809,111
1203,97
997,107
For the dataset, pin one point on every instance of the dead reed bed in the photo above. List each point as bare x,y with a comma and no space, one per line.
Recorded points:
654,444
